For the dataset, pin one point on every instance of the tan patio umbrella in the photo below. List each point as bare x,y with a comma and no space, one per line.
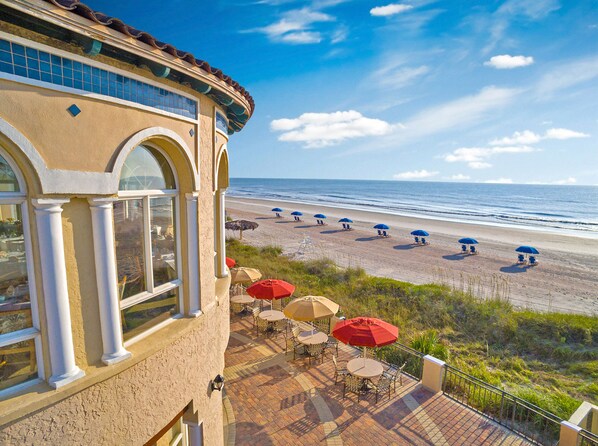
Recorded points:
310,308
244,275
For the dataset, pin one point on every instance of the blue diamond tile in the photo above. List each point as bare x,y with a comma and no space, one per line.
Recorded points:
74,110
192,132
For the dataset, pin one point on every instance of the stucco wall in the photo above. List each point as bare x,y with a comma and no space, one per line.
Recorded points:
129,402
134,405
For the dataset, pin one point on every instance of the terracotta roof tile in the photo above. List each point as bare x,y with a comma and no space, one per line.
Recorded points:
85,11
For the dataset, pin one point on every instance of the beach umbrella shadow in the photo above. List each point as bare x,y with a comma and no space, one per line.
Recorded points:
454,257
367,239
284,222
266,218
514,269
306,226
332,231
404,247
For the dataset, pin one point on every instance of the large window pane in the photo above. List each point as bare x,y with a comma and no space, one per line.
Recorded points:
15,307
128,232
163,239
146,169
17,363
142,316
8,180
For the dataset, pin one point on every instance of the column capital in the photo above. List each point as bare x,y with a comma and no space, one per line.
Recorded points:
192,196
49,204
102,201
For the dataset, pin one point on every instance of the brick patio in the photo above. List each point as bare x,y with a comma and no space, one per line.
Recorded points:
272,399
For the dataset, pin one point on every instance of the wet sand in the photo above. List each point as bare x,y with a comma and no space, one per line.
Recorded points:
566,280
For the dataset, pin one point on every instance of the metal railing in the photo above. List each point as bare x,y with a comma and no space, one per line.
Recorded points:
588,438
399,354
531,422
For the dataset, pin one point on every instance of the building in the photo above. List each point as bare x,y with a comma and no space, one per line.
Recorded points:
113,169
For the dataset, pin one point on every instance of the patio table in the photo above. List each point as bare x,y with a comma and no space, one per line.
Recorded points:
309,338
365,368
242,299
272,315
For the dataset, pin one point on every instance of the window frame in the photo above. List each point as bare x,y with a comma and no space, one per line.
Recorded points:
34,332
151,290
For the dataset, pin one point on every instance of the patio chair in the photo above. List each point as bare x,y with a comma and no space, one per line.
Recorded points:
340,371
472,249
277,215
261,325
383,385
348,227
424,242
532,261
353,384
236,308
280,326
332,344
291,344
464,248
316,351
379,233
417,240
520,259
385,234
255,312
395,373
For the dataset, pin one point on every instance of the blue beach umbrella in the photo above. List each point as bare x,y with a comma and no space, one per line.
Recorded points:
319,216
468,241
345,220
381,226
527,250
420,233
297,213
276,210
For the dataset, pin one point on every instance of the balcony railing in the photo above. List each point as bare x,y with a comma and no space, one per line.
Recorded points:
399,354
588,438
531,422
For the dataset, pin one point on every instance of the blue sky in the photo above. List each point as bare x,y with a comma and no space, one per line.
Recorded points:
488,91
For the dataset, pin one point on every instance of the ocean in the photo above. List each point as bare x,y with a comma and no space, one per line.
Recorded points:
572,209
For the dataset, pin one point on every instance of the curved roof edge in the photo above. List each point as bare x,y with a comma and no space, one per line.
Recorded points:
82,10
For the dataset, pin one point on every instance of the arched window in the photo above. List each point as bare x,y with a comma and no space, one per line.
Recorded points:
146,235
19,329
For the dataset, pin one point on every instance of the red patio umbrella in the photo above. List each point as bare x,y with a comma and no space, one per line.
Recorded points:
270,289
230,262
365,332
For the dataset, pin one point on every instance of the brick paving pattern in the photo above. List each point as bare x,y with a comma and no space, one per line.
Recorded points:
280,401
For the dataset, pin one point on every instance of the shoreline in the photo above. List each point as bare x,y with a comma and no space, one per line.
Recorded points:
348,209
566,279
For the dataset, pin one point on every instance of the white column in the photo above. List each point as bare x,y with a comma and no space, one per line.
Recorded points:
569,435
195,434
221,270
106,277
193,255
433,374
58,317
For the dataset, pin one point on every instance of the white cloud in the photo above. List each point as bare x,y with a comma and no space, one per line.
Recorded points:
459,177
391,9
479,165
339,35
525,137
414,174
528,137
302,37
506,61
570,180
500,181
564,134
476,157
463,112
326,129
295,27
396,75
566,76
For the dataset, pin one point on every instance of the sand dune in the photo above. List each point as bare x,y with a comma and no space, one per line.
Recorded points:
566,279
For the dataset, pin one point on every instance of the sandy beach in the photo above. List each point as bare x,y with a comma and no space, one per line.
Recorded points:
566,280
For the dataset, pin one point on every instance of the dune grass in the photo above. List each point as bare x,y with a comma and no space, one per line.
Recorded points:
550,359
